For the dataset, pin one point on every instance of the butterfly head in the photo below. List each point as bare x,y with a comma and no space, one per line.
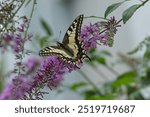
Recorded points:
80,56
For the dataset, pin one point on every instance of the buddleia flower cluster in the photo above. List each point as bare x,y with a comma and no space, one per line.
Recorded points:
29,85
101,33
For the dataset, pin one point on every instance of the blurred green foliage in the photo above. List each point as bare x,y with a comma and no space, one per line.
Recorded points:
128,85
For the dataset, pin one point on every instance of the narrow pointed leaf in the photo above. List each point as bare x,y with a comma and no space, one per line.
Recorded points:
77,85
46,27
42,41
101,60
127,14
125,79
112,7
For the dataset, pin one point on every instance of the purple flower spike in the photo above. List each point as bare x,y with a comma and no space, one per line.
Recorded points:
52,69
17,88
27,86
99,32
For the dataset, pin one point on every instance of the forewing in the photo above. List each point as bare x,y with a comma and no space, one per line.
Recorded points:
72,37
54,50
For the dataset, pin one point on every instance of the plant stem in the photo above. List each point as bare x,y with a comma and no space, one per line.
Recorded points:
112,70
96,17
25,35
26,32
90,81
102,74
143,3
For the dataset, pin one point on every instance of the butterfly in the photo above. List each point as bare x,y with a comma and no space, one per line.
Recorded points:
71,49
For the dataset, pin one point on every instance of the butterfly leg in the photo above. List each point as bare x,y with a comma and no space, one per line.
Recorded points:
88,57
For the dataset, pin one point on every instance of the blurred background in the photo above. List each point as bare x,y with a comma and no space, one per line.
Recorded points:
60,13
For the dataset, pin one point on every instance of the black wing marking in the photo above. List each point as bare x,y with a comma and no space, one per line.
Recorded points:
71,48
73,30
55,50
72,40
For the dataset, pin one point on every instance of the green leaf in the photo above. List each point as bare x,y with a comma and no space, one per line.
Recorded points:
89,93
100,60
136,96
42,41
125,79
127,14
77,85
92,51
133,51
105,53
112,7
46,27
147,54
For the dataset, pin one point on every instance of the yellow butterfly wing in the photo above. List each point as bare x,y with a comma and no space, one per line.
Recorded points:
71,49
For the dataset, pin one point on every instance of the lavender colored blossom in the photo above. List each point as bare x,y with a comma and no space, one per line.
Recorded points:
16,88
16,39
21,84
89,35
31,65
102,32
51,72
27,86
